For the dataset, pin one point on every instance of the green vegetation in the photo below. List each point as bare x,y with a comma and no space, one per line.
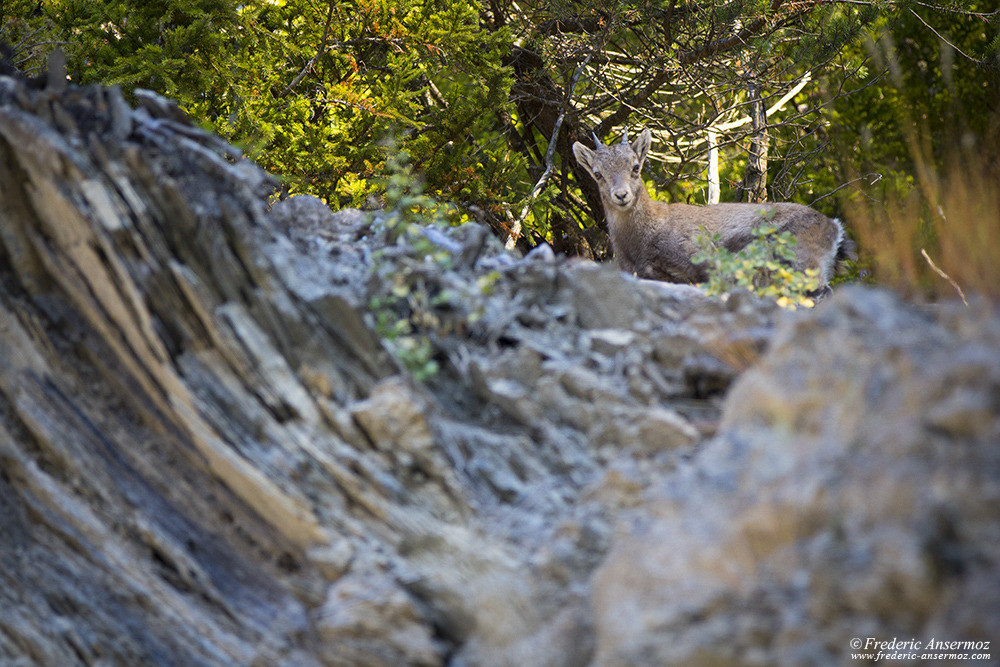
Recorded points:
762,267
919,137
310,89
881,112
401,314
417,294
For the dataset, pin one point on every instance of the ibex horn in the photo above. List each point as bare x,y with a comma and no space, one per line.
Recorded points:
597,142
625,135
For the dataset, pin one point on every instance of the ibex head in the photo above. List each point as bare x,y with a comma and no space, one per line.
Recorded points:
616,168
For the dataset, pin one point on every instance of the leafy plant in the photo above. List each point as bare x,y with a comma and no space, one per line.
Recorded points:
416,293
405,202
762,267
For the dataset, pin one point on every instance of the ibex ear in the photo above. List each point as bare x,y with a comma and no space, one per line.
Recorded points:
584,156
641,144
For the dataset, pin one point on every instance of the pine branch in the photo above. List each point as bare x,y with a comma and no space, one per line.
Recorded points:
312,62
943,39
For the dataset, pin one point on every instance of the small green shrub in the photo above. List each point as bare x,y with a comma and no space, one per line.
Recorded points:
762,267
416,294
405,202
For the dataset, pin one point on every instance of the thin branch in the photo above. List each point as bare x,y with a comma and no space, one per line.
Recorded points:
515,231
633,102
727,43
944,275
737,40
963,12
312,62
939,36
776,107
876,177
721,45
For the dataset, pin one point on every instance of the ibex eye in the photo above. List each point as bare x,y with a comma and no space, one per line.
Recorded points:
635,170
599,176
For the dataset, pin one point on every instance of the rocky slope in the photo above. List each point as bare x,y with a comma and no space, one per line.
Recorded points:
234,435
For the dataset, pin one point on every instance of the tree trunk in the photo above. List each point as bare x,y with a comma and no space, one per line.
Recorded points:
754,186
539,103
714,189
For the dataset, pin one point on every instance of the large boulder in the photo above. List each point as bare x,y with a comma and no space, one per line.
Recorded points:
853,491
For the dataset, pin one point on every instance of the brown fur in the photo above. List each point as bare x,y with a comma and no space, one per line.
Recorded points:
656,240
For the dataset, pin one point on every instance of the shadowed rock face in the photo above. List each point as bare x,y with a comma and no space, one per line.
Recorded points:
207,456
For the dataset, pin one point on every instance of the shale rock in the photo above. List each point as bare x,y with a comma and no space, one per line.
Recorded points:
241,431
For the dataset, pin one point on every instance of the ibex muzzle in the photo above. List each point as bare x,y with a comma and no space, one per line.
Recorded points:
656,240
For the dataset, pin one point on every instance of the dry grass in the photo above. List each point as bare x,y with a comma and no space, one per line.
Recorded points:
937,235
946,225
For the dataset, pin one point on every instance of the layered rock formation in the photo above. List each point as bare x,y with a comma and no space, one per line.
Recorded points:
234,435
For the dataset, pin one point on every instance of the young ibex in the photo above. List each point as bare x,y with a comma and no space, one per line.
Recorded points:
656,240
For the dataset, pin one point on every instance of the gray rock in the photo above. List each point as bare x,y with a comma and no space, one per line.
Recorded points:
369,619
210,455
840,499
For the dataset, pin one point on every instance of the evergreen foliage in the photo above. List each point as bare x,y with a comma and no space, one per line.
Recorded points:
312,89
487,98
